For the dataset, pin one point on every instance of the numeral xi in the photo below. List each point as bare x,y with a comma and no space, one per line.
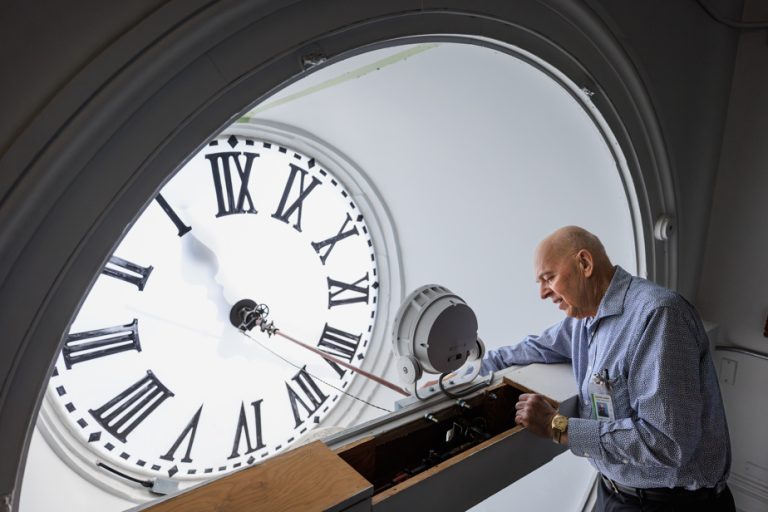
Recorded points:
282,213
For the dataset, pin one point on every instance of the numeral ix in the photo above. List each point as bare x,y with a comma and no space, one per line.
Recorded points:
338,343
340,293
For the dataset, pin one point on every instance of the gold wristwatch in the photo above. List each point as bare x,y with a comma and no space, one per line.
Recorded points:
559,427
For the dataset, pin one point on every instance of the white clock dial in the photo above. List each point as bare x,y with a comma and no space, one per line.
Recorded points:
155,378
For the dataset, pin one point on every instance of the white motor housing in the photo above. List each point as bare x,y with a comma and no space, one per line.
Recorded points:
434,331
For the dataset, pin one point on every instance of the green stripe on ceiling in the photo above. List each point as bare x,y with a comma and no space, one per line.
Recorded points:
349,75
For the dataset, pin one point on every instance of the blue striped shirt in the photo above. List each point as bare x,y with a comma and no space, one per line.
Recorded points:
669,428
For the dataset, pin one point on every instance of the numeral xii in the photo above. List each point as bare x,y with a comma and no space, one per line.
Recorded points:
224,185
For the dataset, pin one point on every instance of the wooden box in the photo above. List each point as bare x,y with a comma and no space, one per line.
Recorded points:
441,454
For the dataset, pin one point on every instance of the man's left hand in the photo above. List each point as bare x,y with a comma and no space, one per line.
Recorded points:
535,413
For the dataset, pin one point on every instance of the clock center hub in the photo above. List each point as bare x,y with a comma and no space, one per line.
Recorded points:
247,314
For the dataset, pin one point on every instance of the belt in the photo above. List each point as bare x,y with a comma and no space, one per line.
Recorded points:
664,494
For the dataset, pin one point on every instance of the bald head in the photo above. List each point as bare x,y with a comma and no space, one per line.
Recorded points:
573,270
570,240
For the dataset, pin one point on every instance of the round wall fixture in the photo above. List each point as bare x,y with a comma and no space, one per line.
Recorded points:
434,331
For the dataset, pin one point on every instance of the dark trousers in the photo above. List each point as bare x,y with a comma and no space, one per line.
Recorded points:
609,501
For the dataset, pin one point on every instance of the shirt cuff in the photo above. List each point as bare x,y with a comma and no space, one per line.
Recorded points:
584,437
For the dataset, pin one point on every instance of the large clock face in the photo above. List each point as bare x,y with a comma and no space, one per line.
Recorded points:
155,377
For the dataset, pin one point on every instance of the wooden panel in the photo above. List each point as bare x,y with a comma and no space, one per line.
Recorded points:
310,477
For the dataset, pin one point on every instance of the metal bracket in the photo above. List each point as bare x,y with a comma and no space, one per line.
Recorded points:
311,56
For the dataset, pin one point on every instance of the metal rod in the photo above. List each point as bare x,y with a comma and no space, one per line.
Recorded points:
336,360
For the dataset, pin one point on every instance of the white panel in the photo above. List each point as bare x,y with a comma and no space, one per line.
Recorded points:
743,381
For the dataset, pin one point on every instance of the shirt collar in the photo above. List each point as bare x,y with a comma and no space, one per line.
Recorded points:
613,300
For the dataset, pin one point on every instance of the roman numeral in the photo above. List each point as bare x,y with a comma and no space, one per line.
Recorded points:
191,430
121,415
180,226
242,428
84,346
225,193
355,293
127,271
307,392
331,242
284,213
338,343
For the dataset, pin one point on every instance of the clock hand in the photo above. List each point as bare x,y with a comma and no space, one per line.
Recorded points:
375,378
247,315
248,335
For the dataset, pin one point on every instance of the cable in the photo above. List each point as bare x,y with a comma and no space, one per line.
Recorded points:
464,392
750,25
145,483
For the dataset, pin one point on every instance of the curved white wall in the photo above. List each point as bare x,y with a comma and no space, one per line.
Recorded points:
478,155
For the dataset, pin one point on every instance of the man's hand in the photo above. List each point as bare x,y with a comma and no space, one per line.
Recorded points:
535,413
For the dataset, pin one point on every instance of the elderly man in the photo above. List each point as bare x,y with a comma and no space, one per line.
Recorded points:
651,418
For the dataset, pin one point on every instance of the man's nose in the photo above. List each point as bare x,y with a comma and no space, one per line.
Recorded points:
544,291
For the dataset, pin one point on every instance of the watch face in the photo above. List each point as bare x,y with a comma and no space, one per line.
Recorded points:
156,377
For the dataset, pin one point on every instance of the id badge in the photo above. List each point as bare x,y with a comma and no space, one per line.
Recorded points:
602,401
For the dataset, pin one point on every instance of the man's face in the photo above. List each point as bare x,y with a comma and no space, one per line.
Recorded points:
563,280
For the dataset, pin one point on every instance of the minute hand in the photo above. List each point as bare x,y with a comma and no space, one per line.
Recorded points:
345,364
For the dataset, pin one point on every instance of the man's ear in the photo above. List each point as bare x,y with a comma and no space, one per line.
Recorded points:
586,262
